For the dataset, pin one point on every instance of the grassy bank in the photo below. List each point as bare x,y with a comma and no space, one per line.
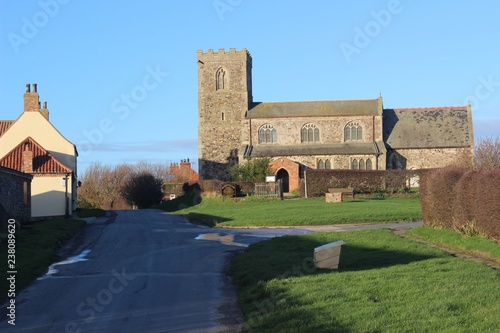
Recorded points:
315,211
36,248
385,283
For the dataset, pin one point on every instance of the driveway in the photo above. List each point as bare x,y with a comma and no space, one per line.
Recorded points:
142,271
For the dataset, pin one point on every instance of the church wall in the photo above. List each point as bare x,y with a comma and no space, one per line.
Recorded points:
331,128
412,159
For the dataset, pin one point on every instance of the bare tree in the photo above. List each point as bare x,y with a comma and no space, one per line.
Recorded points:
487,154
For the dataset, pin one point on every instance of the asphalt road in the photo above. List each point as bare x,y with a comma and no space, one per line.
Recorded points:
141,271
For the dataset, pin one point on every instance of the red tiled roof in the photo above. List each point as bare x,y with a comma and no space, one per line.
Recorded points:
43,161
4,126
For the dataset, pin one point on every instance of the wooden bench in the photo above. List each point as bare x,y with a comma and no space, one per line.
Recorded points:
337,194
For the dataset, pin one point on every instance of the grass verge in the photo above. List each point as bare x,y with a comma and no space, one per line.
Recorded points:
250,211
36,248
91,212
385,283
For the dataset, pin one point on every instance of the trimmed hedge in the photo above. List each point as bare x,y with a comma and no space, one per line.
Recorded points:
467,201
319,180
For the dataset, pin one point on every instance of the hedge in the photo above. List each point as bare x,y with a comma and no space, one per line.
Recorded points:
462,200
317,181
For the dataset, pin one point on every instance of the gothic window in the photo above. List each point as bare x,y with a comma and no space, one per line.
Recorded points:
220,79
309,133
353,132
328,164
321,164
267,134
369,164
354,164
361,164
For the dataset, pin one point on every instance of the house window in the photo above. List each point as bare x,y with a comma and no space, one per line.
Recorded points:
220,79
321,164
267,134
309,133
353,132
328,164
26,196
361,164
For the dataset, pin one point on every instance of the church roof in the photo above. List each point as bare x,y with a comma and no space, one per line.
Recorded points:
43,161
368,148
314,108
441,127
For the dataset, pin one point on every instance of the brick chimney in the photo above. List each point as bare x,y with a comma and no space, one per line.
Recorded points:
31,99
44,111
27,158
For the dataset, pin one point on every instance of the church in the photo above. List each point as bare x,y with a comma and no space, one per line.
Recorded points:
332,134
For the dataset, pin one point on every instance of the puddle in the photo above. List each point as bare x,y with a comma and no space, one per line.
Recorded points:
223,239
71,260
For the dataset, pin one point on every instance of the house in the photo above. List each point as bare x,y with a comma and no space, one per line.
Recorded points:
32,145
355,134
179,174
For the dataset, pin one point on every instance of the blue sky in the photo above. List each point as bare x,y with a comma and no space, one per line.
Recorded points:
120,77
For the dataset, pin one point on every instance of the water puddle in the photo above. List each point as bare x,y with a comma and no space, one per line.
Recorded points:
71,260
223,239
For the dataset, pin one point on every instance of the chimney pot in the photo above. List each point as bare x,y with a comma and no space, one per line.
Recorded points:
34,87
45,105
27,87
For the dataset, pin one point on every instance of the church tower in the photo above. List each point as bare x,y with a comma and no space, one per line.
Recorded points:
224,97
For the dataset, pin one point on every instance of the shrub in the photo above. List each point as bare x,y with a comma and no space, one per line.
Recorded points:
143,190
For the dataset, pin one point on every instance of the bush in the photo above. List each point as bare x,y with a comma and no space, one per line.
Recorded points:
143,190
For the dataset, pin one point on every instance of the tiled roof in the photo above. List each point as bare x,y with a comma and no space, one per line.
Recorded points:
4,126
43,161
439,127
314,108
368,148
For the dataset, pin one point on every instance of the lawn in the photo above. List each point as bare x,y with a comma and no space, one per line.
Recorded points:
385,283
36,248
293,212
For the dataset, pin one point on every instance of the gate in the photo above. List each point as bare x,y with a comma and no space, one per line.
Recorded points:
269,190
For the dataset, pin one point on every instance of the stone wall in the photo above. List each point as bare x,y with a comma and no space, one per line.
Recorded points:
331,128
15,193
414,159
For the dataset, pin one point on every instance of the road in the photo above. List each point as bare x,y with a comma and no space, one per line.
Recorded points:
140,271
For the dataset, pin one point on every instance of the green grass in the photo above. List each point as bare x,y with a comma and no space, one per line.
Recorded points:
36,249
385,283
272,212
474,246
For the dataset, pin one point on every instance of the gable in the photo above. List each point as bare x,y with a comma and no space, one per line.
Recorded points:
443,127
43,161
314,108
5,125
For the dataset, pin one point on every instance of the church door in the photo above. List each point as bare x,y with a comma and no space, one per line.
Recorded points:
283,175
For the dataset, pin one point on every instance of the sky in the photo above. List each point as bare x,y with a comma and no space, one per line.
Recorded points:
120,77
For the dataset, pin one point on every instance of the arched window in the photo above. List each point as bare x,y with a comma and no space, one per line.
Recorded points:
353,132
321,164
267,134
354,164
309,133
369,164
361,164
220,79
328,164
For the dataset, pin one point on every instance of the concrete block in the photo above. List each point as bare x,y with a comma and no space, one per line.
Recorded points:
328,255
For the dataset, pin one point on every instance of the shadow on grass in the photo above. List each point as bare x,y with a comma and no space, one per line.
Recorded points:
181,202
205,219
291,256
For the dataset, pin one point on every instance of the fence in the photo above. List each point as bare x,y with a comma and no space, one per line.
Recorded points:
268,190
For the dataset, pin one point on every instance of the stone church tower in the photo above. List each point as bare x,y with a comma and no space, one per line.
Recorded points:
224,97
